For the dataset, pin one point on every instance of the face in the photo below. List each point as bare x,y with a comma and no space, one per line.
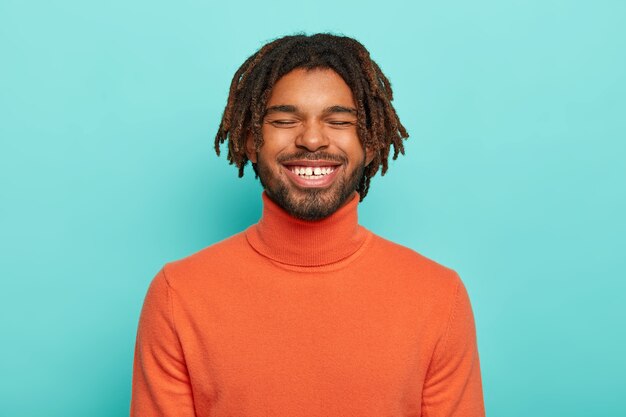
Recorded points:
311,160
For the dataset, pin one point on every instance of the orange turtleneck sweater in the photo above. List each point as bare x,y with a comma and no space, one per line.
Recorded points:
296,318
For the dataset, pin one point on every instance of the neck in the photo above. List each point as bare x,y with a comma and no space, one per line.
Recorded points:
289,240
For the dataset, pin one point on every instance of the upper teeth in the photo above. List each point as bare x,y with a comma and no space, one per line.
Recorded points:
312,171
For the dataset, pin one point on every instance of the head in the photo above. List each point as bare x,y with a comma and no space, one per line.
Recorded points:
306,102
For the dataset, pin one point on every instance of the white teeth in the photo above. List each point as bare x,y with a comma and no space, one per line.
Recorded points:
312,172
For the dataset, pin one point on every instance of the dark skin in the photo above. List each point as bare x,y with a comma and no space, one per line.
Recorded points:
378,126
310,122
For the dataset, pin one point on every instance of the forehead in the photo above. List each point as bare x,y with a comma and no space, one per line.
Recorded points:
311,89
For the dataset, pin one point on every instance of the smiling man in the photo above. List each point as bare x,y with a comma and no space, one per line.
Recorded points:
311,160
308,313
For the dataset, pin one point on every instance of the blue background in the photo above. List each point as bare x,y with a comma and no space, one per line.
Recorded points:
514,177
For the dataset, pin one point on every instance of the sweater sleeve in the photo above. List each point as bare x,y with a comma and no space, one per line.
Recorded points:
160,385
453,386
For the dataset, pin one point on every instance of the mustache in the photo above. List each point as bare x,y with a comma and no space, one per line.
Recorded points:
311,156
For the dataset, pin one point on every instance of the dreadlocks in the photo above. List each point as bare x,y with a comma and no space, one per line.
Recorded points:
378,125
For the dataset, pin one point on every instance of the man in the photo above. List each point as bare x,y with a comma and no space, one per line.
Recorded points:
307,313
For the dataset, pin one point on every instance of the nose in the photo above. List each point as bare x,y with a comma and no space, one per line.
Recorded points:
312,137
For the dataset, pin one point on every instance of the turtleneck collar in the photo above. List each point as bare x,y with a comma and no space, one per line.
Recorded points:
289,240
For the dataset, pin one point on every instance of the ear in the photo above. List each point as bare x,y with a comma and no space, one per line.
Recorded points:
369,155
250,148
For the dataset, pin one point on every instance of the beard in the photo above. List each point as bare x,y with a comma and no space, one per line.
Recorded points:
310,203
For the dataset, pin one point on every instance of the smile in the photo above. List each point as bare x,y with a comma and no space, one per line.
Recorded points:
312,173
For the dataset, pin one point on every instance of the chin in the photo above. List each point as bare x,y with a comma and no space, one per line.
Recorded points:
312,204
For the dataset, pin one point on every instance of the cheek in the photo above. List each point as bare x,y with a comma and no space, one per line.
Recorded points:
267,163
279,137
354,150
275,143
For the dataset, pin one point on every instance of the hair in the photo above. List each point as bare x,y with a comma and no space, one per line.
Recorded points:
378,125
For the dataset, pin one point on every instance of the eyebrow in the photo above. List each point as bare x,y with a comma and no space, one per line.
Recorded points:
340,109
289,108
281,108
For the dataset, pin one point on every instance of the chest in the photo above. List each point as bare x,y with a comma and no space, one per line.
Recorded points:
315,347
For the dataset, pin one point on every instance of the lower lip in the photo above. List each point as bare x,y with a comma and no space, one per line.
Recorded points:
321,182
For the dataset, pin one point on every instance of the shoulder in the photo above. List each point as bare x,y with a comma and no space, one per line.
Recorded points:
394,252
415,266
218,259
432,288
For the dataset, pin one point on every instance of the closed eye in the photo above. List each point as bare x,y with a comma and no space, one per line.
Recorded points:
341,123
282,123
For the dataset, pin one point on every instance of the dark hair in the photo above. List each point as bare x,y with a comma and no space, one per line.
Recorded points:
378,125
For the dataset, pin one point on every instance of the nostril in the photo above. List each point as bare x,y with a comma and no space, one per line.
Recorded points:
312,142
